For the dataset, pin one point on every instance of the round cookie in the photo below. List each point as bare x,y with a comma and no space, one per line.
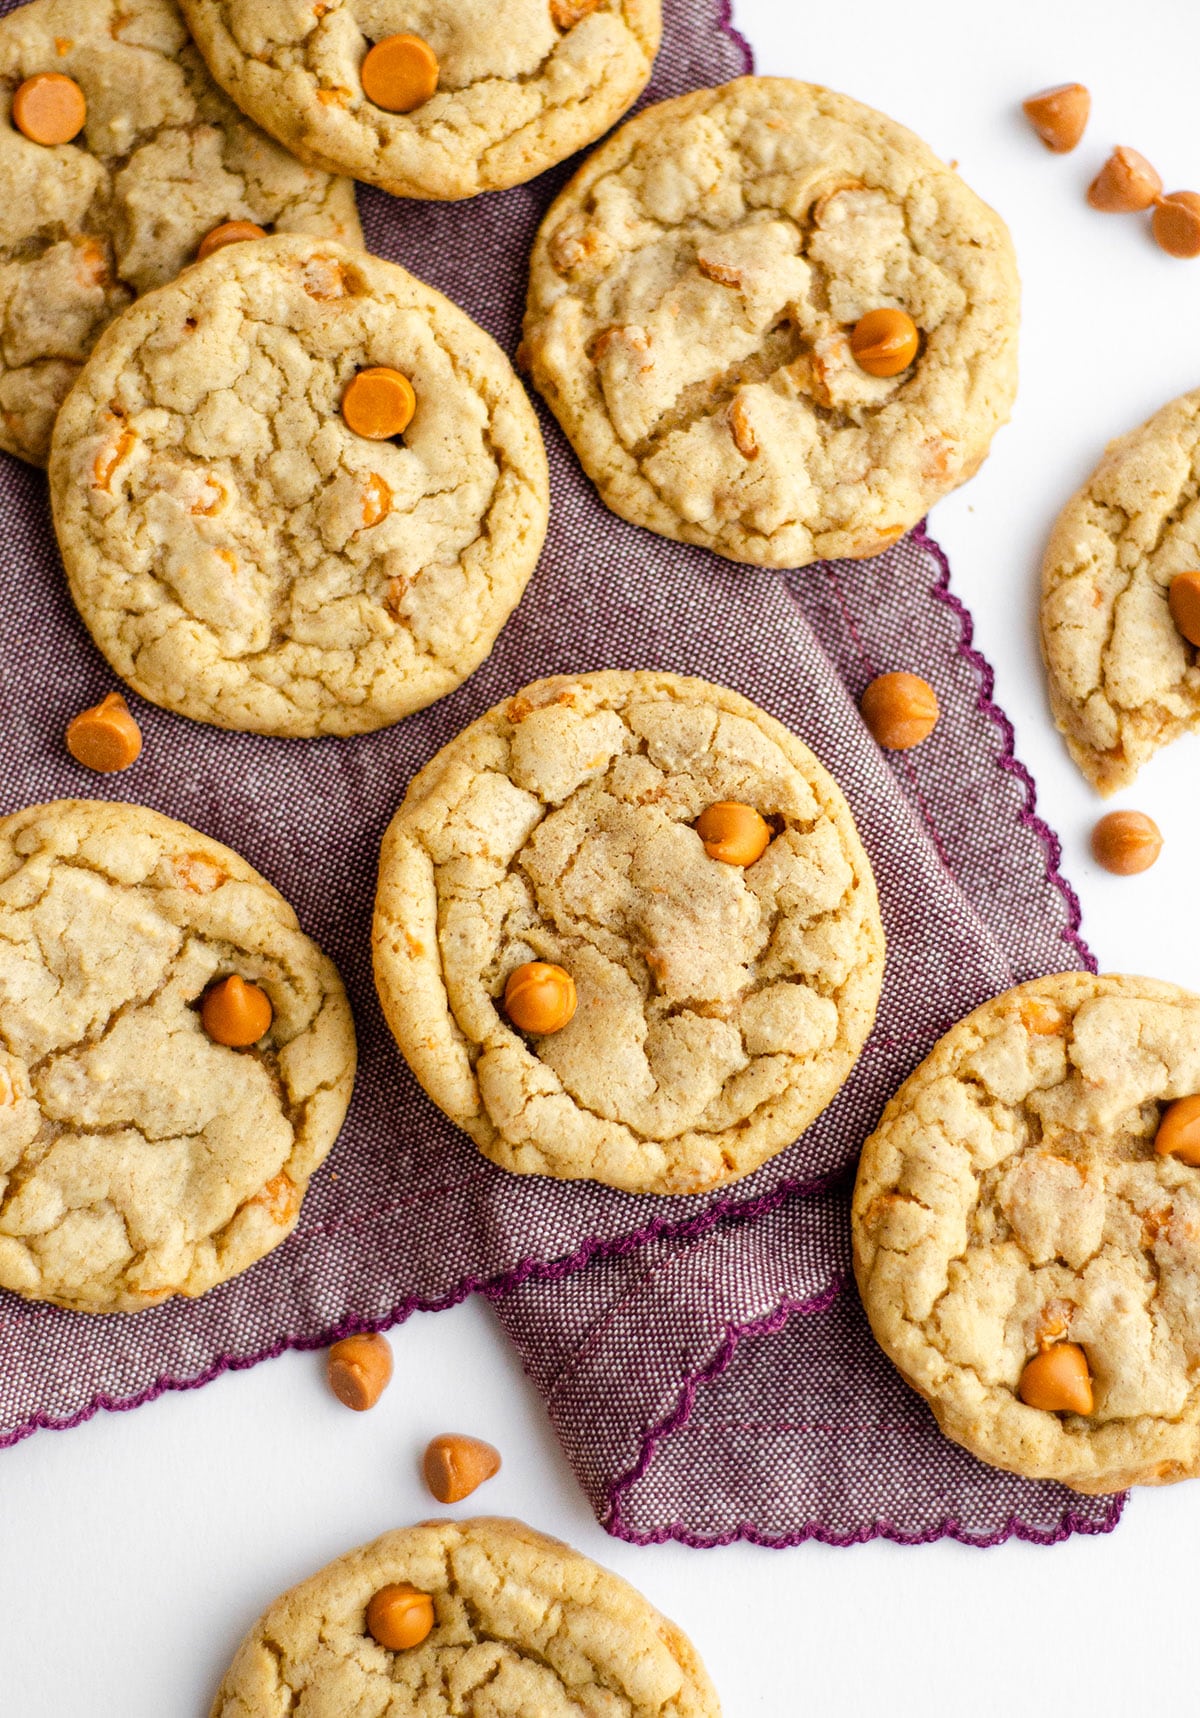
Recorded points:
692,294
520,86
1012,1199
87,226
138,1158
720,1007
1123,679
523,1624
238,552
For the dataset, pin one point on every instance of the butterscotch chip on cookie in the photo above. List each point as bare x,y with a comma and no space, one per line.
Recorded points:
239,549
431,98
139,1157
717,1003
1124,678
1027,1231
694,298
522,1625
163,157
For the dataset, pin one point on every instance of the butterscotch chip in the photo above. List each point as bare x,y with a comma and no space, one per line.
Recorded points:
1183,599
229,233
455,1466
1058,1380
1125,184
400,73
1059,115
106,737
540,997
1126,842
884,342
1179,1131
49,108
359,1369
900,709
567,13
1176,223
400,1616
735,834
379,403
235,1013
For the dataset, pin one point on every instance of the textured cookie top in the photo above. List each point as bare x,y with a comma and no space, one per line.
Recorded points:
521,84
719,1008
1123,680
691,298
86,226
524,1625
242,556
138,1158
1012,1196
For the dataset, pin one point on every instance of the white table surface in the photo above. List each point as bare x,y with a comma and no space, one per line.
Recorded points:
136,1549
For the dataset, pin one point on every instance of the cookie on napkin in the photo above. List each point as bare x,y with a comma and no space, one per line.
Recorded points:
626,931
297,491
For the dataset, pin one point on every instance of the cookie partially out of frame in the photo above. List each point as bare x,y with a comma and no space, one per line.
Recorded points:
238,551
1012,1199
691,300
720,1007
140,1159
523,1625
87,226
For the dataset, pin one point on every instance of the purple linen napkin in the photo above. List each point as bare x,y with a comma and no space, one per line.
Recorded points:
708,1373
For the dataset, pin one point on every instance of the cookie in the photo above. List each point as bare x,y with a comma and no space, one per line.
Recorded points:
697,996
163,159
431,98
521,1624
694,295
1124,680
1013,1221
240,552
141,1156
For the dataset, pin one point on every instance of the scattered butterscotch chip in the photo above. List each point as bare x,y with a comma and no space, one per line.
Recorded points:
1059,115
1126,842
228,233
735,834
49,108
455,1466
900,709
540,997
1184,601
400,73
235,1013
1179,1131
1126,183
1058,1380
106,737
359,1369
379,403
399,1616
1176,222
884,342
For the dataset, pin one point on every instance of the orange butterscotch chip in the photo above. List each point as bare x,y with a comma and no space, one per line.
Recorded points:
1059,115
1126,184
1126,842
377,500
235,1013
540,997
400,73
734,833
1058,1380
1176,222
228,233
1179,1131
400,1616
455,1465
379,403
1184,602
1040,1018
884,342
106,737
567,13
359,1369
900,709
49,108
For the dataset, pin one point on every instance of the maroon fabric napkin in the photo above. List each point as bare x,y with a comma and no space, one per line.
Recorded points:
709,1373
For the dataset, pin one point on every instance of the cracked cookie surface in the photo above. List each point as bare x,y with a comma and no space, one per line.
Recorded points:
1011,1197
524,1625
138,1158
86,227
691,299
237,552
720,1009
521,85
1123,680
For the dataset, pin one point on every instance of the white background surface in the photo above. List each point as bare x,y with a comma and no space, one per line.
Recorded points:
135,1550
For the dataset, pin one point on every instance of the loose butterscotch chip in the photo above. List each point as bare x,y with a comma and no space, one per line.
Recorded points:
540,997
900,709
228,233
1126,842
400,1616
106,737
1176,223
735,834
1179,1131
884,342
455,1466
235,1013
379,403
1059,115
49,108
1126,183
1058,1380
1184,601
400,73
359,1369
